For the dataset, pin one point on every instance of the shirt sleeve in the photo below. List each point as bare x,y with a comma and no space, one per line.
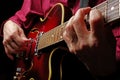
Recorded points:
32,8
24,17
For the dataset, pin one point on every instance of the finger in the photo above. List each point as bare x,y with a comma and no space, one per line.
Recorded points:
9,52
13,45
79,21
96,21
20,39
69,40
10,49
10,45
8,40
69,35
69,32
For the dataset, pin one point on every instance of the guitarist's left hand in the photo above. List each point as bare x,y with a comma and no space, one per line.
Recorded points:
91,46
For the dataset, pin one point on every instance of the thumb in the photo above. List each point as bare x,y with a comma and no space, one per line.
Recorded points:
22,34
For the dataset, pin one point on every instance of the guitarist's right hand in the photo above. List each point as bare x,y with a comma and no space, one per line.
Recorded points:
14,39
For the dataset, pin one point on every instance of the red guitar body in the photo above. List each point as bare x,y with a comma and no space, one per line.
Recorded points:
36,64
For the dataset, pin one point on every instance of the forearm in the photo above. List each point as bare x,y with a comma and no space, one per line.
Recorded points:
24,17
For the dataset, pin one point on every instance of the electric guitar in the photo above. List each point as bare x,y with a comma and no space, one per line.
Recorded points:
48,57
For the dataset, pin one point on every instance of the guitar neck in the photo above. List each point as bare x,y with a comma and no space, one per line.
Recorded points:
109,9
51,37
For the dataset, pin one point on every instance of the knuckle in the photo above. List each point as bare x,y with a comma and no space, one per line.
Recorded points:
73,49
82,46
95,18
64,35
3,42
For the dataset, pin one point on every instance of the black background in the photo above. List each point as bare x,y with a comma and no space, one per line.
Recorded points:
7,9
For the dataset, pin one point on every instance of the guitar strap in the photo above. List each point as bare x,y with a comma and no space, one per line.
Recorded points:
83,3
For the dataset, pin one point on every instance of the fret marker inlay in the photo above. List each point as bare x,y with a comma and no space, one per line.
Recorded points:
112,8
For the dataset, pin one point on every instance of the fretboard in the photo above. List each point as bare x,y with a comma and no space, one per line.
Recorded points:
109,9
